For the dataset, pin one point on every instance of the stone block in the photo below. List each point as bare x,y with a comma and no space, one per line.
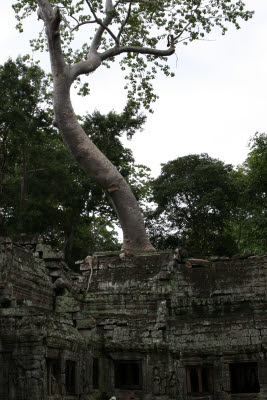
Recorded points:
66,304
45,251
87,323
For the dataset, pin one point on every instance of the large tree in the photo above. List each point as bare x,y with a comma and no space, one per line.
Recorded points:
134,29
34,162
196,198
25,123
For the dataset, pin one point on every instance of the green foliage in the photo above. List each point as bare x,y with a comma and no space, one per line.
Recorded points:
140,23
256,167
23,121
252,218
42,188
195,197
211,208
202,204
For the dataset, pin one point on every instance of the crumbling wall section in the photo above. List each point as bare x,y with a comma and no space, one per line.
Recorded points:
37,343
148,326
179,317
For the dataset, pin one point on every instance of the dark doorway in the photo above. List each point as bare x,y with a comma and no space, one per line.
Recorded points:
199,379
53,377
70,374
95,373
244,378
194,380
128,374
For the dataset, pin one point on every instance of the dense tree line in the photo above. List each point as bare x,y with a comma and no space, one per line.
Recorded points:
197,202
210,207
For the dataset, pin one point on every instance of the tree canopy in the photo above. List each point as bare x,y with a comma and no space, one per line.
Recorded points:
252,178
23,121
210,207
135,30
195,196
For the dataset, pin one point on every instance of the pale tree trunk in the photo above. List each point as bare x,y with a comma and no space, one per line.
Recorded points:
90,158
94,163
100,169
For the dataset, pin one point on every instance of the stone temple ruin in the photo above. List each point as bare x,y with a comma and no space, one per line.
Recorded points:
149,326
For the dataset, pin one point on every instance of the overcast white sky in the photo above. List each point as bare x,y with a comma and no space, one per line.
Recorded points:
214,104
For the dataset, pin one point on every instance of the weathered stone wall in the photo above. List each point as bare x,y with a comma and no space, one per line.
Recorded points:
31,332
173,315
150,326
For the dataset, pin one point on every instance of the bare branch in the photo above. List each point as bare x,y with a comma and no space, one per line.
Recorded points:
114,51
100,229
75,19
103,26
183,39
125,21
95,59
78,24
83,23
182,31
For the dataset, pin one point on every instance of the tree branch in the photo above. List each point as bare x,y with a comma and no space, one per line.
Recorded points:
95,59
125,21
182,31
85,67
103,25
100,229
83,23
52,18
114,51
188,24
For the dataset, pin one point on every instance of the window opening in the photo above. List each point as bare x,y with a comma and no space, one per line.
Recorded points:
95,373
70,374
6,304
128,374
194,380
205,375
244,378
53,377
199,379
6,367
